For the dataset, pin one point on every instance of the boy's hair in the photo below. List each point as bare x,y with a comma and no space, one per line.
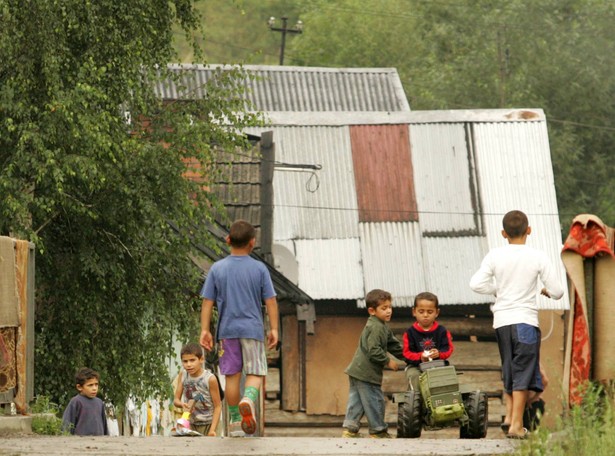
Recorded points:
427,296
241,233
375,297
515,224
84,374
192,349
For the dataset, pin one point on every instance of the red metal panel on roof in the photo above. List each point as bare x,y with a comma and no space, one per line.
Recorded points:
383,173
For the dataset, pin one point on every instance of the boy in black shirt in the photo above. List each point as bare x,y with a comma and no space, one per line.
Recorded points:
425,340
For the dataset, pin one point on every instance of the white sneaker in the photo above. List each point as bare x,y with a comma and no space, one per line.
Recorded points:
234,430
248,420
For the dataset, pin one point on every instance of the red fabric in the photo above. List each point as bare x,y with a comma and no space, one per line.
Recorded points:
581,354
588,240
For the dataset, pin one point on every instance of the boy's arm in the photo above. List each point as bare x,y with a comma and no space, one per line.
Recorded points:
482,281
206,310
548,275
410,355
395,347
274,321
69,418
376,347
446,347
214,391
179,390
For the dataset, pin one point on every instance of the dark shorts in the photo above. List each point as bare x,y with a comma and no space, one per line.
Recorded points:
519,347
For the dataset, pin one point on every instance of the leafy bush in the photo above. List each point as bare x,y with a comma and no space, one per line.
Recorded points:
47,424
44,417
586,430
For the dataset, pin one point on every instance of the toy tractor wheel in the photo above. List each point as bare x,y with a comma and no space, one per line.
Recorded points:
477,408
410,416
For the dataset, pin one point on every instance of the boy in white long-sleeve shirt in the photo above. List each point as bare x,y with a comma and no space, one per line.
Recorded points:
512,273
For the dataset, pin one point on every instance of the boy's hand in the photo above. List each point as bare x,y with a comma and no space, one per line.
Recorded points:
434,353
544,292
206,340
211,433
272,339
392,365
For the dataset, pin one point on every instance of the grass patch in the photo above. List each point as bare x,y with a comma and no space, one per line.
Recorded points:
586,429
45,419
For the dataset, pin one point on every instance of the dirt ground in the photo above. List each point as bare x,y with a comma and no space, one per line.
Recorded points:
256,446
279,441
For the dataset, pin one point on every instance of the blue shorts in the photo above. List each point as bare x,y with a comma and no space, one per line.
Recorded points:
247,355
519,347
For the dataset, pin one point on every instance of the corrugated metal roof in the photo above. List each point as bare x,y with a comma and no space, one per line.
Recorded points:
329,268
314,204
504,154
515,172
382,167
288,88
449,263
445,181
392,260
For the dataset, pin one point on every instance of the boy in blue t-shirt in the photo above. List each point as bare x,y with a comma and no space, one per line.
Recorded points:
238,284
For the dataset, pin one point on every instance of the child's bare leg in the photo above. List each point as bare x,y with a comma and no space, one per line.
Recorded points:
254,380
519,399
232,388
508,401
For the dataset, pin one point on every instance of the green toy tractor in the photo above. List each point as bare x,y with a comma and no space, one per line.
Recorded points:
441,402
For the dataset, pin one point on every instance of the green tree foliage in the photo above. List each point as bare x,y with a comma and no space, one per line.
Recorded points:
91,170
468,54
235,31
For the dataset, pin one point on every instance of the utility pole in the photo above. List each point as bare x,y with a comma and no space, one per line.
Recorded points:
298,28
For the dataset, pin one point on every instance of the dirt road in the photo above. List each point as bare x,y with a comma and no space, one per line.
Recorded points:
261,446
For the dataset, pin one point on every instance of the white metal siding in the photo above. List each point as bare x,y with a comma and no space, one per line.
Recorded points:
515,172
330,268
393,260
449,264
314,204
442,177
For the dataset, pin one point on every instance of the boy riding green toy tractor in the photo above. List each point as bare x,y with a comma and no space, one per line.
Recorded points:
441,402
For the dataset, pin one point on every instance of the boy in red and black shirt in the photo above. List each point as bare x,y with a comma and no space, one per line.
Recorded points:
425,340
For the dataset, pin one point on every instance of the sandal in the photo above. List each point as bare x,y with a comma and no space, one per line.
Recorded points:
518,436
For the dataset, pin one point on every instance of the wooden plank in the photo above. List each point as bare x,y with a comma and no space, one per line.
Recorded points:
472,355
291,385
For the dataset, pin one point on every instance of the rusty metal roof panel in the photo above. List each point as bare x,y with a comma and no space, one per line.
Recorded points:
383,173
314,204
288,88
393,260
